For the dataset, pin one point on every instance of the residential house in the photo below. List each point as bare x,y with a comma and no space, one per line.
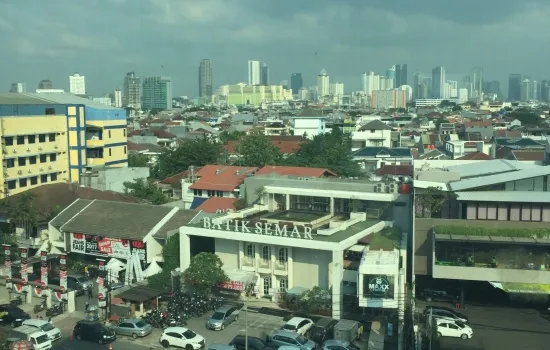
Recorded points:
172,185
286,144
373,134
310,123
295,171
276,129
447,129
397,170
457,149
149,150
475,156
372,158
218,205
535,156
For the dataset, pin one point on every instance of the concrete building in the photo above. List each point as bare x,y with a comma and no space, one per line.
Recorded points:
131,95
112,179
372,158
438,82
370,82
77,84
374,133
103,100
310,122
296,83
45,84
323,84
386,99
264,74
254,72
430,102
205,79
18,87
118,98
400,75
157,93
241,94
337,89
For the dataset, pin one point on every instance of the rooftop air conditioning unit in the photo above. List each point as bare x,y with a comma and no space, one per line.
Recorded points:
392,188
379,188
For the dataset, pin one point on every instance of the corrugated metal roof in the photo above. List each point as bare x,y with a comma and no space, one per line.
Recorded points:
67,99
499,178
12,98
505,196
490,167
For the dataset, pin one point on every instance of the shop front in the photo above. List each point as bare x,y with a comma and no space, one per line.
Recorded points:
107,247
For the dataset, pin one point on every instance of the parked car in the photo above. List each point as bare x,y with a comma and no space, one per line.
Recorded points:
456,329
444,312
287,338
439,295
71,285
182,338
222,317
299,325
322,329
12,315
94,332
133,327
44,326
333,344
254,343
84,281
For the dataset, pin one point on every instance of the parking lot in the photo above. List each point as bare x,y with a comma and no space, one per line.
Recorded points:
500,328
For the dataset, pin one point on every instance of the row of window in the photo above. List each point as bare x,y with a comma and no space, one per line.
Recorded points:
282,253
198,193
22,161
283,285
20,140
508,212
98,153
31,181
109,134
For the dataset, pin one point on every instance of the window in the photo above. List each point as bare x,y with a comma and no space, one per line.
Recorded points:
124,149
124,132
525,212
42,138
49,111
22,182
54,177
8,141
110,152
53,157
482,211
21,161
51,137
210,193
283,284
11,185
250,251
10,162
266,253
536,211
43,158
491,211
197,193
34,180
515,212
219,193
43,179
109,133
267,285
32,160
20,140
283,255
372,131
32,138
502,212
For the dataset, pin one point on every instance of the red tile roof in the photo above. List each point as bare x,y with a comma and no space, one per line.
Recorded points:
527,155
221,177
478,123
285,144
475,156
136,147
170,123
213,204
295,171
176,179
407,170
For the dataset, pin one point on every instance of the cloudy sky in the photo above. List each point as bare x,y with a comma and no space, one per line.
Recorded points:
104,39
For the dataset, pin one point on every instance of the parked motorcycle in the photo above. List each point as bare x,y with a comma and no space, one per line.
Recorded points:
18,300
40,307
55,310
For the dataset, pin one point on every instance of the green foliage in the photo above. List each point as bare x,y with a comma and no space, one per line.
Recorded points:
430,201
256,149
355,204
330,150
526,117
140,188
457,108
197,152
204,271
138,160
543,233
20,210
171,255
226,136
387,239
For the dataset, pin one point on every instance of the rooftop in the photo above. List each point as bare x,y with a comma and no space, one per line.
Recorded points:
285,144
475,156
375,125
67,99
528,155
213,204
294,171
224,178
12,98
406,170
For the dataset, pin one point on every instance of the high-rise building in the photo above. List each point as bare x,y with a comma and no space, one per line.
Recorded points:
514,87
526,90
253,72
337,89
323,84
264,74
118,98
438,82
157,93
45,85
535,90
545,91
131,94
370,83
205,78
18,87
296,82
77,84
451,89
492,87
400,75
477,83
390,73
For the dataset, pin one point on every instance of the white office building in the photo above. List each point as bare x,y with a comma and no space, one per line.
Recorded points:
337,89
77,84
18,87
254,72
371,82
118,98
323,84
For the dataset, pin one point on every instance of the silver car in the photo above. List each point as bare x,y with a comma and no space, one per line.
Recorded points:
288,338
333,344
133,327
84,281
222,317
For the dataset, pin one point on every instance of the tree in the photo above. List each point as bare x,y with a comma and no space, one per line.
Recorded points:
141,188
198,152
257,150
447,103
330,150
430,201
138,160
526,117
457,108
226,136
204,271
171,256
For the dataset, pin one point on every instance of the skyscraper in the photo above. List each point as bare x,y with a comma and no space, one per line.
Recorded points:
545,91
296,82
323,84
18,87
371,82
390,73
205,78
400,75
492,87
131,94
253,72
264,74
514,87
117,98
438,82
477,83
77,84
45,85
157,93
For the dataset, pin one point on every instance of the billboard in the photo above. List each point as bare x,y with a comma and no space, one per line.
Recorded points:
107,247
378,286
44,269
24,265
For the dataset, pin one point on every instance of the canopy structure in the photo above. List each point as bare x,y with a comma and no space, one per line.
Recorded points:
114,266
152,269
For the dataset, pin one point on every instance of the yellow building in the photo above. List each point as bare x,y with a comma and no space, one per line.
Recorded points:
242,94
52,138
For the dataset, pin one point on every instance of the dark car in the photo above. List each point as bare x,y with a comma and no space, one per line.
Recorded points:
322,330
445,312
439,295
239,342
71,285
94,332
12,315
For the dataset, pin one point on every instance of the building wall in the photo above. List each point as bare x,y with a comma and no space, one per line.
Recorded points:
311,268
309,126
228,251
34,152
367,138
76,124
112,179
112,125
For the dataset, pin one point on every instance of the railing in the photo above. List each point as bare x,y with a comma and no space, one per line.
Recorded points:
281,265
264,264
247,261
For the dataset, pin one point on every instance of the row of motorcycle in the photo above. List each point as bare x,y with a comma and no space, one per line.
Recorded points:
179,307
56,309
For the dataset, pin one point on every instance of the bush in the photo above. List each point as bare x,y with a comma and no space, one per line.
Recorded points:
494,232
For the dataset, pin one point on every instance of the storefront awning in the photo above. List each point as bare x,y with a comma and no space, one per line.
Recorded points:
197,201
523,288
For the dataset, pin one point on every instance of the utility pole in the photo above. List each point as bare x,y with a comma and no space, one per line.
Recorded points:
430,329
246,320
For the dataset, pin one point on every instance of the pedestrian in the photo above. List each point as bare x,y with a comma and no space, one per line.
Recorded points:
90,295
86,306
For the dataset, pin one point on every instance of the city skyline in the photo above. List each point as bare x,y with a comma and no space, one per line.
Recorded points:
42,47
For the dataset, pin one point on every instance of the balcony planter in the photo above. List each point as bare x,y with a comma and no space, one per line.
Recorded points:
541,233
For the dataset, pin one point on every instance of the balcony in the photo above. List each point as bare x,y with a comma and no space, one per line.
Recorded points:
94,143
264,265
280,267
247,261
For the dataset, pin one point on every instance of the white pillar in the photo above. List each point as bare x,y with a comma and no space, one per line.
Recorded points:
336,279
287,201
28,295
185,252
48,294
331,205
71,301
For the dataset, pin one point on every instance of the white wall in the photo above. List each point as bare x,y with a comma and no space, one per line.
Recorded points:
311,268
379,138
228,251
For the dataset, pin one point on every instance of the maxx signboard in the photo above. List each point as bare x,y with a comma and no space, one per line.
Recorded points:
107,247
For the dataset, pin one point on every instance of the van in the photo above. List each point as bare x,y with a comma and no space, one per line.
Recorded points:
322,329
222,317
44,326
39,339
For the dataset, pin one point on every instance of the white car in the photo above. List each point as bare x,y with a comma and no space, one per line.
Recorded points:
452,328
182,338
45,326
299,325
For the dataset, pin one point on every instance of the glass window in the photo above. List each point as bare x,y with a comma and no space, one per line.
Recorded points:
283,255
53,157
502,212
525,212
34,180
51,137
42,138
124,132
482,211
250,250
43,179
515,212
124,149
20,140
109,133
10,162
22,182
266,253
283,284
536,211
491,211
110,152
54,177
8,141
21,161
12,185
32,159
32,138
43,158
